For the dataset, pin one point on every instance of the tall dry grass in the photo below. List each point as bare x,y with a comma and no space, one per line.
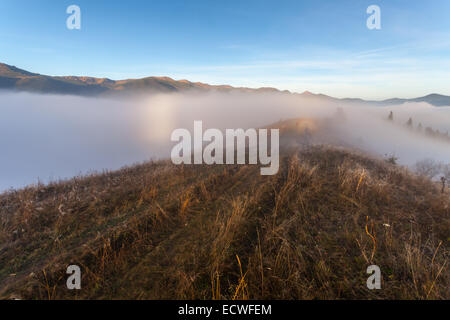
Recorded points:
159,231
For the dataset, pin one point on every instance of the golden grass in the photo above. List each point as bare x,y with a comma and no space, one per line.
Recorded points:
159,231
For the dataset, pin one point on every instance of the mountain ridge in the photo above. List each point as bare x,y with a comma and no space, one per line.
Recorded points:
13,78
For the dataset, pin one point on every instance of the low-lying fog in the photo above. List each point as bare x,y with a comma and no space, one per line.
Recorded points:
47,137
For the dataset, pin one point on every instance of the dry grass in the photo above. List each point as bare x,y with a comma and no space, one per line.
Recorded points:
159,231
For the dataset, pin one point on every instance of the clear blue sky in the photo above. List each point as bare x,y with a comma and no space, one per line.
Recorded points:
320,46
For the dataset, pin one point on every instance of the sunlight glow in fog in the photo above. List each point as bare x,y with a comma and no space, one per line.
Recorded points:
158,117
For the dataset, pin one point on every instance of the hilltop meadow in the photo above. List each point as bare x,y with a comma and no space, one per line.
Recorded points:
163,231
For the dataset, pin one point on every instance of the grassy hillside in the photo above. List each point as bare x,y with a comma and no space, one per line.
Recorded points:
158,230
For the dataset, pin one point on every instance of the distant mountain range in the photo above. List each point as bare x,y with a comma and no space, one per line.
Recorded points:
13,78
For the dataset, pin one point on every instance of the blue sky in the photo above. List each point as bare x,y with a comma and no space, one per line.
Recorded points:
320,46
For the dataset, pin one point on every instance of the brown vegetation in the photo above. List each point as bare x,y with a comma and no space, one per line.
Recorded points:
160,231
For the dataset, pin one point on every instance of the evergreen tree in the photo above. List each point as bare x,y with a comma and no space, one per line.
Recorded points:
410,123
420,127
391,116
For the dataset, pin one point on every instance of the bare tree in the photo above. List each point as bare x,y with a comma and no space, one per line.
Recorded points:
428,168
446,171
445,178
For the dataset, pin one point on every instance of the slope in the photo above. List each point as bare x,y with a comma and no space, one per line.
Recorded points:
160,231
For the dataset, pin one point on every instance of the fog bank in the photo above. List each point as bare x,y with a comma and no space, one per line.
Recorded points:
48,137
